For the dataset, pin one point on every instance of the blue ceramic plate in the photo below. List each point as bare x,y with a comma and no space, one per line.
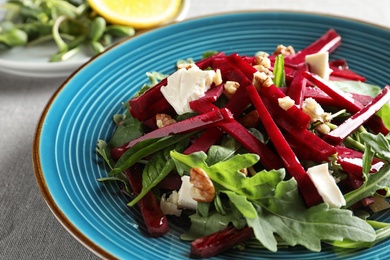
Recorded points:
80,113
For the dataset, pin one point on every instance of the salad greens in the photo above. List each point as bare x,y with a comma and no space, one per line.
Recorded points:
71,24
249,195
270,205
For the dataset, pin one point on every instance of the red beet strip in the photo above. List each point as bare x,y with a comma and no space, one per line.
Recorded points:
272,92
327,42
212,118
337,135
267,157
340,69
352,105
308,190
220,242
140,107
154,219
208,138
297,88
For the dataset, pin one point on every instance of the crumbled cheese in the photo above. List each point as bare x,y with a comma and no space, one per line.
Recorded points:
169,205
184,195
311,108
326,185
319,64
186,85
286,102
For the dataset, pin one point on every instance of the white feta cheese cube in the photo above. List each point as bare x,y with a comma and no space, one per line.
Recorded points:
169,205
319,64
184,195
326,185
313,109
186,85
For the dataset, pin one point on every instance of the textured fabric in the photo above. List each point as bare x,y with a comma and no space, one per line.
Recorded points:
28,230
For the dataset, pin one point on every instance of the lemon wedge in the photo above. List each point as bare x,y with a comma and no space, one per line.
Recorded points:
140,14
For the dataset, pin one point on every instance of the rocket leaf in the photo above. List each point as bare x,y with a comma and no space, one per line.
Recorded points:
373,183
158,168
227,173
277,209
286,215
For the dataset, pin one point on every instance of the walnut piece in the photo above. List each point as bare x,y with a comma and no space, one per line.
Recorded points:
260,79
164,120
281,49
217,80
230,87
203,188
263,61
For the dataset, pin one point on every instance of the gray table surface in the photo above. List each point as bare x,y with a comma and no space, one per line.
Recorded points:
28,230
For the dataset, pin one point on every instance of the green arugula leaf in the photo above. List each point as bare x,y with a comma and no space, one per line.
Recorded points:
373,183
133,155
227,173
357,87
145,148
129,129
203,208
157,169
155,77
229,147
380,235
286,215
384,113
119,178
379,143
207,54
104,151
274,208
218,153
263,231
214,222
368,155
244,206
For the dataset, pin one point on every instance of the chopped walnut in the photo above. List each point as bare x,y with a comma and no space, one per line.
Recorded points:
217,80
164,120
260,79
203,188
264,61
286,102
262,64
281,49
230,88
250,120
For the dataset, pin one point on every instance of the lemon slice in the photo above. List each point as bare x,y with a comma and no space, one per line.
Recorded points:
139,14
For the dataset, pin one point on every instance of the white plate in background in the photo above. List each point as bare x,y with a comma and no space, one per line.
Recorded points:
34,61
